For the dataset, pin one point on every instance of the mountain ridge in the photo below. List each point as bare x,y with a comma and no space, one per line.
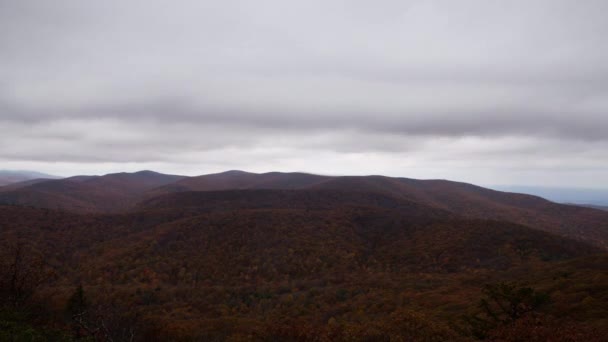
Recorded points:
121,192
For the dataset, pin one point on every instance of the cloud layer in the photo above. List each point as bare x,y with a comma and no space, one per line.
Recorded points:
475,90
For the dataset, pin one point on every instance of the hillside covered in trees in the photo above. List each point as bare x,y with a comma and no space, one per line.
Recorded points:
239,256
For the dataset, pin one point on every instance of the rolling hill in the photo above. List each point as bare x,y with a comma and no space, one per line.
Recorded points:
129,191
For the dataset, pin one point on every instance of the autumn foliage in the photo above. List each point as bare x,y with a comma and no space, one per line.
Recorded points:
323,264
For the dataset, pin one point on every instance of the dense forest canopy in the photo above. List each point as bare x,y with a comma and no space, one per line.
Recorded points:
302,257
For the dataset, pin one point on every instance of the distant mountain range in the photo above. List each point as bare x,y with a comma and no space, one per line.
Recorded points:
123,192
582,196
14,176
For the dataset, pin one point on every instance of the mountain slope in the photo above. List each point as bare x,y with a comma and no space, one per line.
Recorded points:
23,184
111,192
460,198
468,200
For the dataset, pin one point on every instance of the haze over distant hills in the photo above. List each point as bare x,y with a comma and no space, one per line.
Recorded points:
583,196
14,176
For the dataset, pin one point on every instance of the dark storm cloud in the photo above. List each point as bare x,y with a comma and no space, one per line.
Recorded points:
176,82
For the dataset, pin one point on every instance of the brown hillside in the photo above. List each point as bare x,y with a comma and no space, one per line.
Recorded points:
238,263
468,200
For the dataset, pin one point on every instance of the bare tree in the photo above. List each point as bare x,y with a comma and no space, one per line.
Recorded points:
102,322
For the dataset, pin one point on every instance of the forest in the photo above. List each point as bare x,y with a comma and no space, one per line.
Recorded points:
313,264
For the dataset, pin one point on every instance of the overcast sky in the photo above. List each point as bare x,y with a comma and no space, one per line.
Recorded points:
483,91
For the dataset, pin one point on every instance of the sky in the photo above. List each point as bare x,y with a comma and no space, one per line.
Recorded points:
482,91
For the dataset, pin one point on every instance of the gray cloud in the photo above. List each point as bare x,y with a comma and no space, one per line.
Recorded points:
501,89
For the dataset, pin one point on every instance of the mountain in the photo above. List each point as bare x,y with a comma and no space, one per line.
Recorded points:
129,191
11,176
472,201
112,192
459,198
